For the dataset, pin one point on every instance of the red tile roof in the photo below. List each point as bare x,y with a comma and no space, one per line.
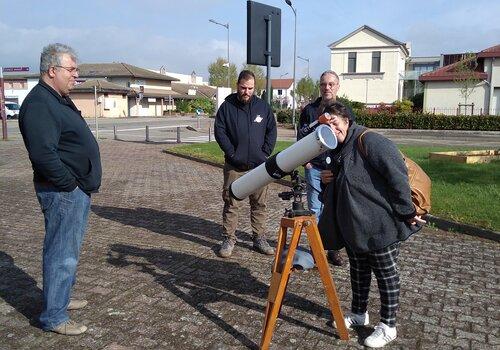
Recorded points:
493,51
281,83
448,73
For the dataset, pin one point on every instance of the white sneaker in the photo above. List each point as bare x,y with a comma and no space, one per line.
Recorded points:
353,320
381,336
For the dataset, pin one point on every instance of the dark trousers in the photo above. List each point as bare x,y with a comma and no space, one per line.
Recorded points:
383,263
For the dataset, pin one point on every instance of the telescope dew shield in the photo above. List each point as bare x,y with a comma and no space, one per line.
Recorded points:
279,165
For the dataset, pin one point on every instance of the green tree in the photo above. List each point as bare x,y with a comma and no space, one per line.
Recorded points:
307,89
260,77
218,73
465,76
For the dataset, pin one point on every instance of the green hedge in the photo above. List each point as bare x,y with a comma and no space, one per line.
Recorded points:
386,120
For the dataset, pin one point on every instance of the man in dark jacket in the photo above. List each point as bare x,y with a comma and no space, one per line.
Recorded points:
67,169
329,85
245,130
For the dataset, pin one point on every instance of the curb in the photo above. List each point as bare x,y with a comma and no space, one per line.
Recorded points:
443,224
470,230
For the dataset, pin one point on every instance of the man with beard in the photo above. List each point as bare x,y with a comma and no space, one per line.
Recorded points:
245,130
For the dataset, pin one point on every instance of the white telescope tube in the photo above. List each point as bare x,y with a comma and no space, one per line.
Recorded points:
302,151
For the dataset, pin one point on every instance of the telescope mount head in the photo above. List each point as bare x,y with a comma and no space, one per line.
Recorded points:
297,194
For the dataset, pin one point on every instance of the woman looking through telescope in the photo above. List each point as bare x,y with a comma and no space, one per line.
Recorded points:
369,211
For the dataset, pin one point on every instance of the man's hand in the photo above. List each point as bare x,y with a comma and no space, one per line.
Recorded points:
308,166
326,176
416,220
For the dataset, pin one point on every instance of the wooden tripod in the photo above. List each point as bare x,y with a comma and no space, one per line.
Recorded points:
281,273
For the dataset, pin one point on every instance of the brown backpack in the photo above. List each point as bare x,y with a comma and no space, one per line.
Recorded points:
420,183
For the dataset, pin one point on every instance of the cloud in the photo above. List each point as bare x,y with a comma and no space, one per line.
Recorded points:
22,46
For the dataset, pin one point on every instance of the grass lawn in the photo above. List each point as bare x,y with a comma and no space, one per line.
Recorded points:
467,193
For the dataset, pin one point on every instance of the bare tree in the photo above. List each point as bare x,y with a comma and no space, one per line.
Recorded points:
466,76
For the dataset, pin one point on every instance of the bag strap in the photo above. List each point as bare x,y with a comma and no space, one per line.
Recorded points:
361,146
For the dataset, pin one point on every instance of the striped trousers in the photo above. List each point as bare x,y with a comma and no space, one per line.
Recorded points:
383,263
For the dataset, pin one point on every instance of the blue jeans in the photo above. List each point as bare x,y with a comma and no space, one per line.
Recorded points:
313,179
66,215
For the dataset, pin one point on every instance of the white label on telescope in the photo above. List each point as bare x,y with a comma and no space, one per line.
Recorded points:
258,119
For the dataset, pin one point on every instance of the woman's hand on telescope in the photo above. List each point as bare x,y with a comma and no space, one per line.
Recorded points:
326,176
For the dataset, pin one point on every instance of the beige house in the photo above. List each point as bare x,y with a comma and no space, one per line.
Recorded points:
370,66
442,87
151,92
101,98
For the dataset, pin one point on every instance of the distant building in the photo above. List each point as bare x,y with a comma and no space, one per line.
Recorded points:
370,65
282,92
17,86
102,98
150,91
416,66
442,91
122,90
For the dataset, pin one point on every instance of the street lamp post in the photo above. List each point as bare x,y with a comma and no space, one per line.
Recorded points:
289,3
307,60
228,65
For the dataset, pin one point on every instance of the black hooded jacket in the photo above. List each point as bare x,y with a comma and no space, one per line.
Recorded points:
246,133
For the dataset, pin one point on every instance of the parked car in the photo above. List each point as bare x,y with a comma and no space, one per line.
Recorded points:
11,110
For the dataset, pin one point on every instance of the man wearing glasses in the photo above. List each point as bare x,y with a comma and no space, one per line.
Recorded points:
67,169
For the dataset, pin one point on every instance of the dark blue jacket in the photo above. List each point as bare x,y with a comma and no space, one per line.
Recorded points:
60,145
309,114
246,133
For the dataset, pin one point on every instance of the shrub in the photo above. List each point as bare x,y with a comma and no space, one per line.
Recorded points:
182,106
418,101
385,120
206,104
403,106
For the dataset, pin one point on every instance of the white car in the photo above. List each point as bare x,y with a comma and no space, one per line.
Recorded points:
11,110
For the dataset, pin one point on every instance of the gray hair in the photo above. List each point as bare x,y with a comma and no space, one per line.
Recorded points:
51,56
331,72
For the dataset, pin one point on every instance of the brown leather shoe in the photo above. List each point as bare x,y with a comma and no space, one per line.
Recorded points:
70,327
75,304
334,258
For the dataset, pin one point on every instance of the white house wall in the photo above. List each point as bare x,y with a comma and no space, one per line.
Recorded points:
363,39
443,97
364,85
370,88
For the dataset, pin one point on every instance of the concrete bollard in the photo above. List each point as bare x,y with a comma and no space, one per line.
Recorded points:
147,133
115,137
178,135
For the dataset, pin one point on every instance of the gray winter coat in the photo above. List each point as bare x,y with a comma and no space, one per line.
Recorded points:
369,201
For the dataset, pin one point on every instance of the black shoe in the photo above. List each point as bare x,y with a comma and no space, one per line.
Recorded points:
334,258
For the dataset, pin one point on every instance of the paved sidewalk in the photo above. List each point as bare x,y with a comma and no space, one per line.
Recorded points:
151,276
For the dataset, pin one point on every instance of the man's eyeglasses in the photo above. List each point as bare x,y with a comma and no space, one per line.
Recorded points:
70,69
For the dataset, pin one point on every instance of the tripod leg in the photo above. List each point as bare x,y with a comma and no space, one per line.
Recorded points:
277,289
324,272
282,232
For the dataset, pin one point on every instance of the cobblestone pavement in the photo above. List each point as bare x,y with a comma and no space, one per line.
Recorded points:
152,279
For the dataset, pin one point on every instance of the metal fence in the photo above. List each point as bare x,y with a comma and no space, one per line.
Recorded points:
183,133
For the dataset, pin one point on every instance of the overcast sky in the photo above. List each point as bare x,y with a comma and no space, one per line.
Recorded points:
176,34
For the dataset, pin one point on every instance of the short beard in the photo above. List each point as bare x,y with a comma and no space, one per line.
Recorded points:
243,101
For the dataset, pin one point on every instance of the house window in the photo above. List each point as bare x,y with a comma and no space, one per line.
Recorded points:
375,61
280,92
351,62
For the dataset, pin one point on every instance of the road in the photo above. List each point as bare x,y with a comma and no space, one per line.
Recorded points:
134,129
